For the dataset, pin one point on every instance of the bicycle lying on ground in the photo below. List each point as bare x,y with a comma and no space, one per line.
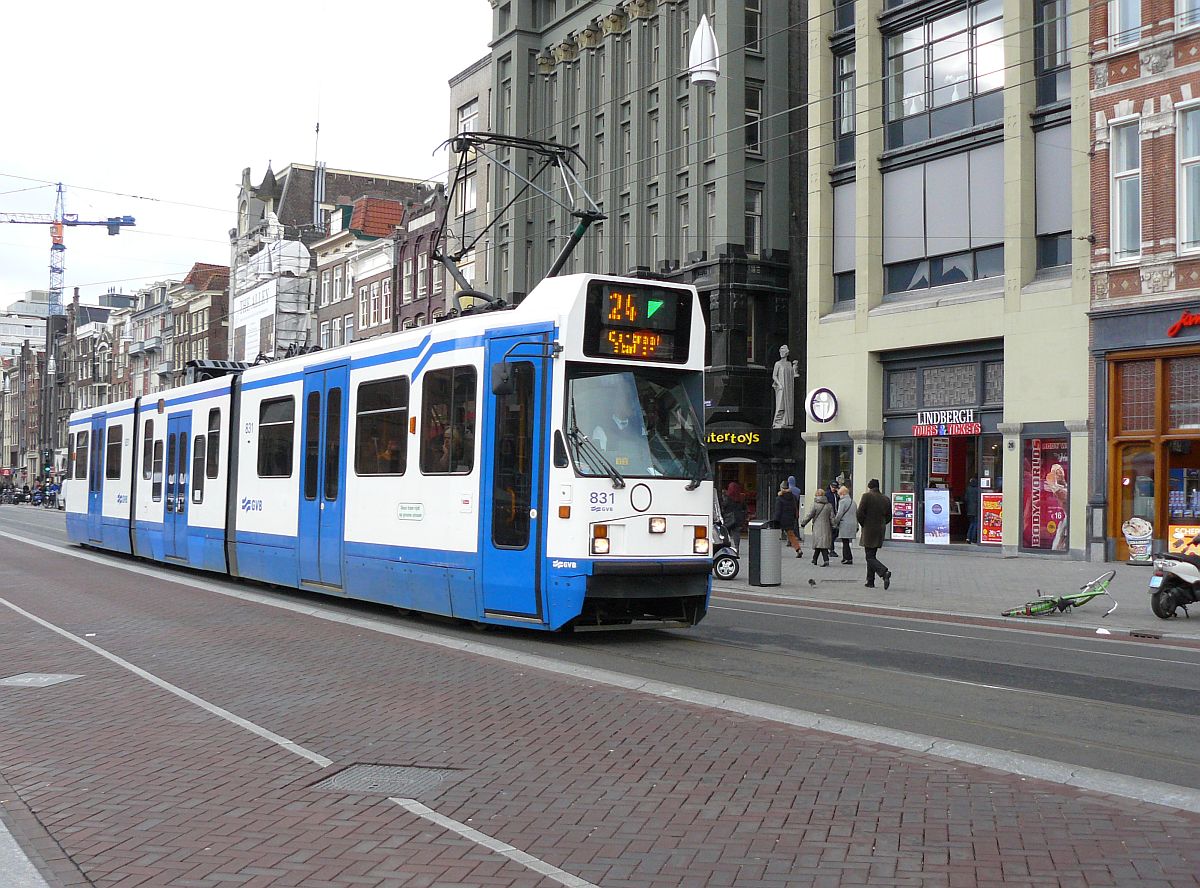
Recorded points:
1044,605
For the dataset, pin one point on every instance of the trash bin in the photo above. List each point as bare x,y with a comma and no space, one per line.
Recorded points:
766,564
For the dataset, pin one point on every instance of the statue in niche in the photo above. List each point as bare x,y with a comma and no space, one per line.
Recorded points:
783,380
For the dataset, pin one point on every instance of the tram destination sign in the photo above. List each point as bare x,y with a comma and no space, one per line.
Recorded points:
946,423
637,322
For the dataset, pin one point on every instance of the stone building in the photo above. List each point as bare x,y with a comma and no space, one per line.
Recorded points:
701,184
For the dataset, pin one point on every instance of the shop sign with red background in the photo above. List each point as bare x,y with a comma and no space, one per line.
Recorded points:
991,519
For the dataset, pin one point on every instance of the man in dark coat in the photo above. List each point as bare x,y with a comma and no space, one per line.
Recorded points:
874,513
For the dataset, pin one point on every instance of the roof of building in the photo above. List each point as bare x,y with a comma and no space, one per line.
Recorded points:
205,276
376,217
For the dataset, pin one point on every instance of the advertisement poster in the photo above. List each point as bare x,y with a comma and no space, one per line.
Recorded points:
939,456
1045,475
1179,539
903,517
937,517
991,519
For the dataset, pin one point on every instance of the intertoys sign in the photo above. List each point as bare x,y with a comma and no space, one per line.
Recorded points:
946,423
1187,319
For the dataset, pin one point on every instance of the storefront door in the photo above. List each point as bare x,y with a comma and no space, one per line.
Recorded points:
917,465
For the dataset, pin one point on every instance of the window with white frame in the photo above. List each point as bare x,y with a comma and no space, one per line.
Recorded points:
436,276
683,214
335,332
467,195
406,283
385,311
1189,179
326,282
324,334
364,309
1187,13
1124,22
754,25
754,111
754,221
348,328
337,284
374,303
422,275
1125,163
467,267
468,117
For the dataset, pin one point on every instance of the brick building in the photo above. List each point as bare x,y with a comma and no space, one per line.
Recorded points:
1145,317
199,311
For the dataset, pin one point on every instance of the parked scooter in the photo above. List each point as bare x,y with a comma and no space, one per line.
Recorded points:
1175,583
36,497
725,557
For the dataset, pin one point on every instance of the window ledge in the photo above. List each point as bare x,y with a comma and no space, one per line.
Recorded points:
939,297
839,312
1054,278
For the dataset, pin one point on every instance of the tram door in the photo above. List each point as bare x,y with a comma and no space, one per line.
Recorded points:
95,460
512,496
322,481
175,493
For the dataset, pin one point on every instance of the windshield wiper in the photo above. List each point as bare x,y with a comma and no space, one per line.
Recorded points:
592,452
700,473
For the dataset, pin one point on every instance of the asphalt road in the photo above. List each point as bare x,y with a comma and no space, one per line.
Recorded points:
1115,704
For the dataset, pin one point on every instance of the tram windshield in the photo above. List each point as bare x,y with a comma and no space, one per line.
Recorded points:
638,423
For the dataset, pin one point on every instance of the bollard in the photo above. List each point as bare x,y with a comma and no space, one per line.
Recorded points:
766,565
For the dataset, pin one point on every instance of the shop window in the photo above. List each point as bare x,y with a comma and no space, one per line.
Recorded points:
954,385
1136,462
1184,375
1135,385
1045,503
1183,495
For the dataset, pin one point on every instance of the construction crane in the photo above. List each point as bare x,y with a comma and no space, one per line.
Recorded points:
57,222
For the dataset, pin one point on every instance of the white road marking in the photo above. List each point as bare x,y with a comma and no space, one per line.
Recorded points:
514,854
1151,791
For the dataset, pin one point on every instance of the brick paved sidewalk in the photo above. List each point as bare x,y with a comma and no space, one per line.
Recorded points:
971,583
139,787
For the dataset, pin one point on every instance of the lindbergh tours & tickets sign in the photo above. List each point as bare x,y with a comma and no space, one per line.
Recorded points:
946,423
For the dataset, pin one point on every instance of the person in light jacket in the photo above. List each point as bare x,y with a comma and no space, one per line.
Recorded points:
845,521
821,518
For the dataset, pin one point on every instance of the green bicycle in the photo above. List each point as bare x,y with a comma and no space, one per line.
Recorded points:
1044,605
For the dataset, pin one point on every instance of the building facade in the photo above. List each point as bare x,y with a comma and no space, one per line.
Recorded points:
948,266
199,318
471,111
696,181
1145,341
150,325
421,282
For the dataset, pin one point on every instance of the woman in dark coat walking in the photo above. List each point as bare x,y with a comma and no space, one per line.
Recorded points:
821,517
787,510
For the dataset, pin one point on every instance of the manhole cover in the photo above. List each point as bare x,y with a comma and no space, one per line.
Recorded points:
36,679
391,779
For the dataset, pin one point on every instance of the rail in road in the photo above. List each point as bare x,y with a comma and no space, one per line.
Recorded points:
628,759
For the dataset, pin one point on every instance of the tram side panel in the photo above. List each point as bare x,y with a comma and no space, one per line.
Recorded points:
268,483
412,486
75,483
116,481
148,483
205,487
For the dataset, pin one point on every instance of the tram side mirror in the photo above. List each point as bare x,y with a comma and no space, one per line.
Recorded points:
502,379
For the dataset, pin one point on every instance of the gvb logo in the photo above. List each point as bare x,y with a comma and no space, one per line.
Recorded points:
251,505
559,565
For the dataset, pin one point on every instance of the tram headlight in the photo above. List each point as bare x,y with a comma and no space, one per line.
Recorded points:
658,525
600,539
700,539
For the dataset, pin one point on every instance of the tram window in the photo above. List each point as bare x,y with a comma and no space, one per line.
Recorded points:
81,456
198,469
448,421
156,472
112,464
312,444
213,445
381,427
333,442
70,472
276,421
512,484
147,449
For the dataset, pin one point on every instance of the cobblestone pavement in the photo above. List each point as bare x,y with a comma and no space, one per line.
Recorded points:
974,582
111,780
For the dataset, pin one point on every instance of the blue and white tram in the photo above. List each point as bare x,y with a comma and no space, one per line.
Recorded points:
542,466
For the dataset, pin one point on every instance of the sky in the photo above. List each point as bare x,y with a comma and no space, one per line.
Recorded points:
166,103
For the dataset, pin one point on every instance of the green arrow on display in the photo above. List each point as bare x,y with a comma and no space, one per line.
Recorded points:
653,305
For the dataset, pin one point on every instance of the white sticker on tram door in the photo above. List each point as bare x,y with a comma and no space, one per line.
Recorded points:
410,512
465,503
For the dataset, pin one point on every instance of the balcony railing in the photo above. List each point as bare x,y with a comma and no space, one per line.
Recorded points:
164,368
136,348
153,343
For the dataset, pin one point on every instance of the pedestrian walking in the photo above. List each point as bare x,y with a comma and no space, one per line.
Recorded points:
971,510
787,509
845,520
733,512
831,494
821,518
874,513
